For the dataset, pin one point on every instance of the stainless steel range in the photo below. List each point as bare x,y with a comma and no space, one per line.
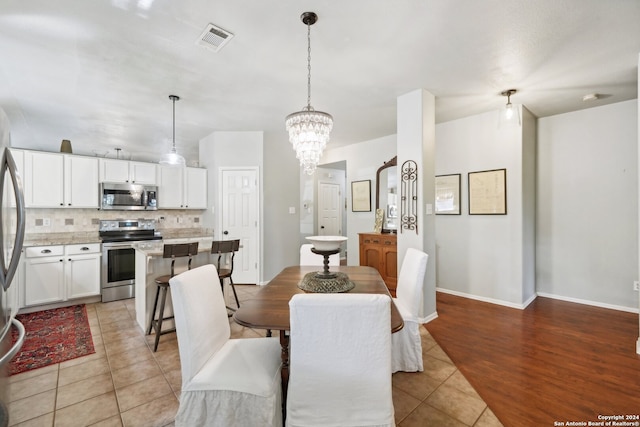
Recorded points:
118,274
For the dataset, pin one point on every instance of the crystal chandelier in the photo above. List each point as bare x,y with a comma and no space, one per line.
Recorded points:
172,158
309,129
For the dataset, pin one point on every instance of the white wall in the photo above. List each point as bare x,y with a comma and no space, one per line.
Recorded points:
587,215
363,160
482,255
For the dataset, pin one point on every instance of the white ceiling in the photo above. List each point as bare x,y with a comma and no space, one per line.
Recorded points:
100,72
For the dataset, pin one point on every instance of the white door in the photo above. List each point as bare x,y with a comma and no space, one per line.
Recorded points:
239,220
329,214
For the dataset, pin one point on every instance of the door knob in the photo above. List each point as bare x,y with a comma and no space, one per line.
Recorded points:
322,226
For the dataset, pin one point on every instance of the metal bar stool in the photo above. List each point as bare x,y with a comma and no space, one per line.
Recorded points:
226,247
179,250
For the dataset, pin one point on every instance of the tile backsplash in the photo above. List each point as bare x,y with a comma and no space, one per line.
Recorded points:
87,220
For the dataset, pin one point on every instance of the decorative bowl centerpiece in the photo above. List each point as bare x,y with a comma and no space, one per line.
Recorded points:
326,281
327,243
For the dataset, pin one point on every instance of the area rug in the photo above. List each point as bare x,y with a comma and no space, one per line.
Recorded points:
53,336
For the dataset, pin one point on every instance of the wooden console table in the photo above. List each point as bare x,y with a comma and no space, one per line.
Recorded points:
380,251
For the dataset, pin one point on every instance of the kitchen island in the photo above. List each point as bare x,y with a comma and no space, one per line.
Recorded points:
150,264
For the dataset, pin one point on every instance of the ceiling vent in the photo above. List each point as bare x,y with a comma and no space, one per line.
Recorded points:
214,38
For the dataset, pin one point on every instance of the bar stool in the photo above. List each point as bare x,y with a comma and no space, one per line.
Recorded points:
229,248
179,250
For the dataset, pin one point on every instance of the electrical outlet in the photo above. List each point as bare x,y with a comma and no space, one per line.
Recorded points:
46,222
635,285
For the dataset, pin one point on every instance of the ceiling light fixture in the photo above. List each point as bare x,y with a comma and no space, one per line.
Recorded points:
309,129
172,158
510,114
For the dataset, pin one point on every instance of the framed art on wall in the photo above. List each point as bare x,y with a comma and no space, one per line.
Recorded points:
448,194
488,192
361,196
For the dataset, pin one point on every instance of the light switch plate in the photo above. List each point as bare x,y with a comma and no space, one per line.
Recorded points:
292,210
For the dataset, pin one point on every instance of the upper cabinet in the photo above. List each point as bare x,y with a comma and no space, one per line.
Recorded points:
182,188
53,180
112,170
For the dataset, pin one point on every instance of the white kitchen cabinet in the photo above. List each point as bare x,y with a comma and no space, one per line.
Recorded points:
124,171
182,188
53,180
44,275
43,180
82,270
81,182
60,273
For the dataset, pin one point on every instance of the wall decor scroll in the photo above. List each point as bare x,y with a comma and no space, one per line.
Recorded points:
488,192
409,196
448,194
361,196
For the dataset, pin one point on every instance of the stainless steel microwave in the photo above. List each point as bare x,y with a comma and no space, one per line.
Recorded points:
128,197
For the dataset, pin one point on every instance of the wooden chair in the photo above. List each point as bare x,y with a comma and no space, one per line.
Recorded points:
225,382
406,344
226,249
173,251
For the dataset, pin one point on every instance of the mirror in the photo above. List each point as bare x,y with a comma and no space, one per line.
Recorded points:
387,195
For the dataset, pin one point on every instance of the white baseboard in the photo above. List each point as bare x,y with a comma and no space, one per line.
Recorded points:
428,318
489,300
588,302
638,346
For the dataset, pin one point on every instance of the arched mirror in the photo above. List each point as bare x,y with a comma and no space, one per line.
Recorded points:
387,195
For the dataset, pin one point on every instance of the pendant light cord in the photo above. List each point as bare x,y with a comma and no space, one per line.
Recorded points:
309,66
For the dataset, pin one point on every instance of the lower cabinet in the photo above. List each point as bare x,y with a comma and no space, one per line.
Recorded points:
380,251
60,273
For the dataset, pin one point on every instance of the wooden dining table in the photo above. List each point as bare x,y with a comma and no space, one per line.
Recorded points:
269,308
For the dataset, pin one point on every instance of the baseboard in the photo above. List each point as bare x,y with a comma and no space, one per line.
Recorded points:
489,300
68,303
428,318
638,346
589,302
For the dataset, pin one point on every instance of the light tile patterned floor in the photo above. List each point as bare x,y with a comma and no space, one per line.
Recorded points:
126,384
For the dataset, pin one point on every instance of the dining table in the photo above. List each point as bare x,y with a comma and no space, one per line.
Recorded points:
269,308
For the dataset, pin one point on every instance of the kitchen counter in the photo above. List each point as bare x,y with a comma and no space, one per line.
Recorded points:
46,239
150,264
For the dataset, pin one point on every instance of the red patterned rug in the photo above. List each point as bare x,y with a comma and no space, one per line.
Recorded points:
53,336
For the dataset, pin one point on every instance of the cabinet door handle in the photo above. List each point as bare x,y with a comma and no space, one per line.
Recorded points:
376,241
45,251
61,260
84,248
387,242
69,204
69,259
61,204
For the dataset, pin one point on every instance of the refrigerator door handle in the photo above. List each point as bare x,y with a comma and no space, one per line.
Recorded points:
7,272
18,345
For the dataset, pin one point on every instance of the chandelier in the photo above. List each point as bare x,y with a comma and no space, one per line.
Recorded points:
172,158
309,129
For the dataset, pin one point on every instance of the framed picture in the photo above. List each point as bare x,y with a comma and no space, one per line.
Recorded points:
361,196
448,194
488,192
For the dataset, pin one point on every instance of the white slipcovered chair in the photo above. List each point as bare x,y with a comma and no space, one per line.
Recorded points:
309,258
340,360
225,382
406,343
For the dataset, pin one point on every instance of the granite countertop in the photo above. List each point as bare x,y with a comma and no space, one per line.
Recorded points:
173,235
46,239
154,248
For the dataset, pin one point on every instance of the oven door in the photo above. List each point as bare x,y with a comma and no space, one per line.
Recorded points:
118,271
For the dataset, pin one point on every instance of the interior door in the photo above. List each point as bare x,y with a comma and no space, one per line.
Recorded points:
239,217
329,214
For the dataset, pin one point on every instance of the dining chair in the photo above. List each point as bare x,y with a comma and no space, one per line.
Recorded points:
226,249
225,382
169,251
406,344
309,258
340,360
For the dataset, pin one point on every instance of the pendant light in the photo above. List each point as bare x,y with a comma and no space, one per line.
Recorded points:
172,158
309,129
509,115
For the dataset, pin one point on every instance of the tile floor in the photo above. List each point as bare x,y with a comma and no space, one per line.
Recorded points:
126,384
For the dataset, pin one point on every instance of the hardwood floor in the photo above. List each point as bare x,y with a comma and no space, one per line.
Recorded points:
555,361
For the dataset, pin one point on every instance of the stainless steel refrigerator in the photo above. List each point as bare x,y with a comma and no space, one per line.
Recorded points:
12,223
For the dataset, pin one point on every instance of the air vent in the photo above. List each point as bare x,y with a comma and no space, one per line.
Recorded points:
214,38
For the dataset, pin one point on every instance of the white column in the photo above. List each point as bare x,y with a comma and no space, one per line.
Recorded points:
416,141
